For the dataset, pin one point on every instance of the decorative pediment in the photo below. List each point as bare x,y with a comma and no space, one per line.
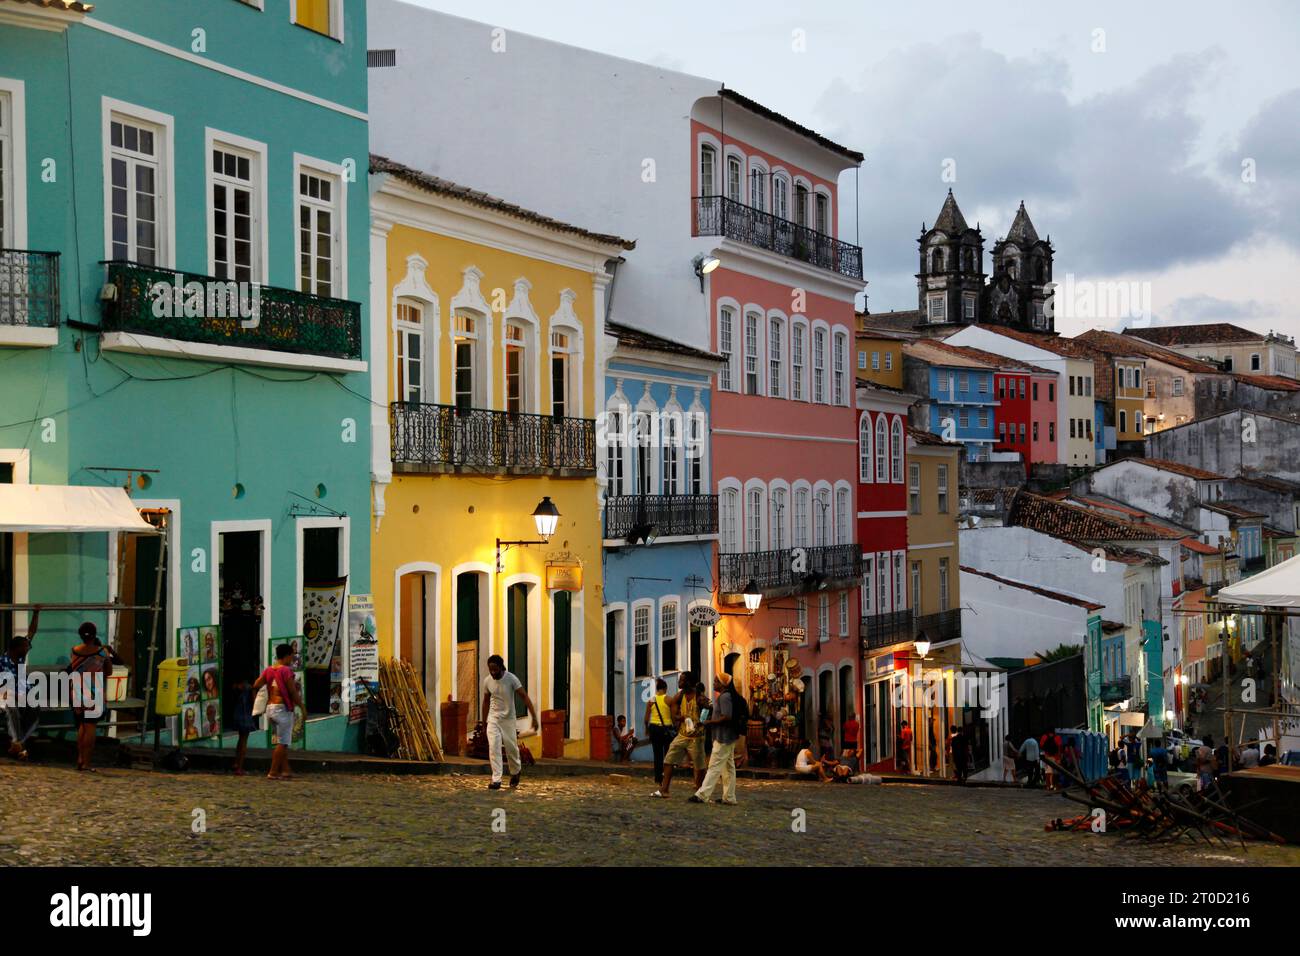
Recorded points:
413,284
521,307
470,295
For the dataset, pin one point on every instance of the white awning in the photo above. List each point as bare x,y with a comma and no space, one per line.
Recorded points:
1279,586
68,509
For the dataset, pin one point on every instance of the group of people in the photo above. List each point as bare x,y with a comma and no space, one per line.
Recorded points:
1026,759
1212,761
679,725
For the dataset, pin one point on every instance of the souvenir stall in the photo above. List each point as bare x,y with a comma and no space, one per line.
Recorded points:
777,694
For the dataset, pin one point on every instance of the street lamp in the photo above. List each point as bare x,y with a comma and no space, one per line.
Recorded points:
545,517
922,647
704,265
753,596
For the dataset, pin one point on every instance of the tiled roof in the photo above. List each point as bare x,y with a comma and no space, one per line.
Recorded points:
1272,532
1218,333
905,321
922,437
1199,546
1063,520
1270,483
889,335
1129,344
443,187
1115,552
887,389
1110,627
775,117
1068,348
1001,361
938,353
1272,383
640,339
1232,511
1178,468
68,6
1135,516
1045,592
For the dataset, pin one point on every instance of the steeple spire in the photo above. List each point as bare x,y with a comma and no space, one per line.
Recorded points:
950,218
1022,231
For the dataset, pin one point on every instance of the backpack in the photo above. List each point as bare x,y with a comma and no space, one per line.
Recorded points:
739,713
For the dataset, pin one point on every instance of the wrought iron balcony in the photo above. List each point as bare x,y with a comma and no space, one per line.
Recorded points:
940,627
444,438
29,288
882,630
719,216
286,320
1114,691
831,566
669,515
1253,565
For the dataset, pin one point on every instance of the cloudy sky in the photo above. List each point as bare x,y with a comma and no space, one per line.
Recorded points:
1156,142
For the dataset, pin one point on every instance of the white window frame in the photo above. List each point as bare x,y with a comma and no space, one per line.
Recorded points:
708,159
839,363
320,167
900,580
896,450
941,497
882,449
670,631
565,320
843,506
868,584
913,488
165,127
752,333
255,151
730,516
819,337
728,381
617,413
735,161
781,196
866,455
755,523
13,101
638,607
801,519
936,308
844,614
778,505
403,331
759,178
776,355
798,359
823,617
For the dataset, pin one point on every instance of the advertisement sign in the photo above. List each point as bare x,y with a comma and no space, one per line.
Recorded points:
565,576
322,611
794,635
363,653
702,615
201,705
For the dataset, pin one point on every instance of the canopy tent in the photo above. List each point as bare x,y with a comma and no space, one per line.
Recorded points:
69,509
1279,586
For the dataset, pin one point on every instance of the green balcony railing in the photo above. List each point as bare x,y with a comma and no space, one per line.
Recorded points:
214,311
29,288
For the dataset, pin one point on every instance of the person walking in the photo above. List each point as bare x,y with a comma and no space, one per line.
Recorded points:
500,689
1205,764
689,741
1010,753
659,723
1133,758
960,753
1029,753
903,758
283,699
13,662
825,733
722,761
89,658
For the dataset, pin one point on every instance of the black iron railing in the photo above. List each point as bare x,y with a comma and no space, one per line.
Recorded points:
939,627
719,216
1114,691
882,630
441,438
668,514
29,288
216,312
775,571
1253,565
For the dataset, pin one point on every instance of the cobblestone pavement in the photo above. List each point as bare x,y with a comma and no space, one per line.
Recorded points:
139,818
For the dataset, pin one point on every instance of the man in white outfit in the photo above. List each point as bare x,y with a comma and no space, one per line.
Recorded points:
722,760
500,688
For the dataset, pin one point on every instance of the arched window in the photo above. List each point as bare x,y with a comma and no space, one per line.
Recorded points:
936,260
708,170
409,326
781,197
798,346
780,504
726,347
896,451
467,343
518,368
839,360
864,447
819,365
754,519
882,450
842,519
801,518
615,478
801,205
729,515
775,358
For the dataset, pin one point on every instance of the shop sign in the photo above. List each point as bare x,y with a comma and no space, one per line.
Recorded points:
564,577
882,664
795,635
702,615
363,653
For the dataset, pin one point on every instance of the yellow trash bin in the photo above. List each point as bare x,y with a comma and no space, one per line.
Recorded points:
172,674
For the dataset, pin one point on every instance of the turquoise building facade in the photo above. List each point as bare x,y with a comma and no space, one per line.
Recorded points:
183,305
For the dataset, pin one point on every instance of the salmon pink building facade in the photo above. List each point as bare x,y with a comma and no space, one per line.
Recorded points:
781,312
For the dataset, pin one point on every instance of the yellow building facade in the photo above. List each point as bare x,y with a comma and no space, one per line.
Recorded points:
487,321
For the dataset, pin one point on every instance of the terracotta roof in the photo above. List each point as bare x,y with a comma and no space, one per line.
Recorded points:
1272,532
891,335
939,353
1270,483
775,117
905,321
1110,627
443,187
67,6
1045,592
1001,361
1199,546
1272,383
887,389
1049,342
1206,334
640,339
1178,468
1232,511
922,437
1134,516
1115,552
1131,345
1063,520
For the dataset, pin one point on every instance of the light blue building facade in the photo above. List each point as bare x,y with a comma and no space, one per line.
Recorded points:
964,395
660,519
183,293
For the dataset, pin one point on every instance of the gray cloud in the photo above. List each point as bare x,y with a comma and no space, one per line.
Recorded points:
1194,309
1110,177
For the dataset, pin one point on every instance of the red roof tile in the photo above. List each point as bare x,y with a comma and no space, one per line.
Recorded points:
1272,383
1209,332
1054,595
1063,520
1177,467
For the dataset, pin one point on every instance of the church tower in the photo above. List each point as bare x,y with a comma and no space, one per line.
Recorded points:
1022,275
951,274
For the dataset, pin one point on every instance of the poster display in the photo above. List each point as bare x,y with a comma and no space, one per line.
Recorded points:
299,673
363,653
322,611
201,710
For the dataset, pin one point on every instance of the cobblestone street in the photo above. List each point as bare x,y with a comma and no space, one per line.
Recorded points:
51,815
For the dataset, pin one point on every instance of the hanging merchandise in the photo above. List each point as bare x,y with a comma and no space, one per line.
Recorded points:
322,611
201,707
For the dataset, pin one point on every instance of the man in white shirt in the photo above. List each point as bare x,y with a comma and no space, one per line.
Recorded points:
500,689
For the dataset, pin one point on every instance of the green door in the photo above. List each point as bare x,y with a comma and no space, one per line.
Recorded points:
562,612
517,638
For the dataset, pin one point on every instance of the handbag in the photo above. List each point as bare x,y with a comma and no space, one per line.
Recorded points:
260,701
